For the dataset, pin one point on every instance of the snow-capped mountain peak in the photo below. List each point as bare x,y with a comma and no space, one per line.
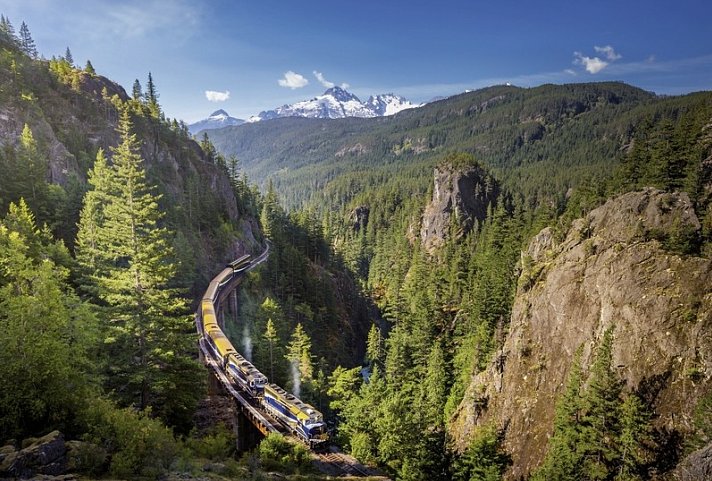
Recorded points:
338,103
219,114
389,104
216,120
341,95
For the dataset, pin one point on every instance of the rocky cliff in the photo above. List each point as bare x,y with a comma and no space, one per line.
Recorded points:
613,268
461,195
73,114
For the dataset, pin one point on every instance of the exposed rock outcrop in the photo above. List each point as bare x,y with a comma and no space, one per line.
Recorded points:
359,217
697,466
46,455
461,195
607,271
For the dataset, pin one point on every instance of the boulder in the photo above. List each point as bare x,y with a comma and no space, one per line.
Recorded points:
697,466
46,455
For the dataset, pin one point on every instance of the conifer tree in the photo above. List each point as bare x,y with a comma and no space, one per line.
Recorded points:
7,31
149,335
91,257
271,337
374,346
601,403
564,460
45,332
31,175
152,97
89,68
137,92
27,45
299,352
68,57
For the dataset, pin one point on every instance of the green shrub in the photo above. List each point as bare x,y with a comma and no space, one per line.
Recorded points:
219,444
276,453
139,447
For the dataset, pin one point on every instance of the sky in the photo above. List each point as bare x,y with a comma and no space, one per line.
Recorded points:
245,56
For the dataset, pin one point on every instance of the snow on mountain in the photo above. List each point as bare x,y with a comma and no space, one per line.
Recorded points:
337,103
217,120
389,104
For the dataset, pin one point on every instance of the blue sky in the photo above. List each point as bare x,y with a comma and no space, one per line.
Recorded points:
413,48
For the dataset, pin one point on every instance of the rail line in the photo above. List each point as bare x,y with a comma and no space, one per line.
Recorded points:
332,462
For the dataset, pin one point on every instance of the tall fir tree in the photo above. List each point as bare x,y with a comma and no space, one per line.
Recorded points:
149,334
136,91
601,420
27,44
564,458
152,97
7,31
68,57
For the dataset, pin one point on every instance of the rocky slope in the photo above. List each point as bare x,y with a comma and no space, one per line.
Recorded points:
609,270
461,195
71,117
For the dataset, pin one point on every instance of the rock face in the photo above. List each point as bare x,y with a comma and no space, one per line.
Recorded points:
46,455
460,195
609,271
697,466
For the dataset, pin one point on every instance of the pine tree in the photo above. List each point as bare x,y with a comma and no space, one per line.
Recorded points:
635,438
375,352
7,31
299,352
89,68
137,92
91,256
152,97
208,148
149,336
271,337
564,460
27,45
68,57
601,421
32,174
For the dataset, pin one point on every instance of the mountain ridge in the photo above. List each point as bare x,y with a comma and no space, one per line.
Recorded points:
217,120
336,103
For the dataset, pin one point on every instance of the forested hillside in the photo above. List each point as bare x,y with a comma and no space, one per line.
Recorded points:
439,241
506,284
542,140
113,220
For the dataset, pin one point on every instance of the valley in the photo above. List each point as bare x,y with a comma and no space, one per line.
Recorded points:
509,283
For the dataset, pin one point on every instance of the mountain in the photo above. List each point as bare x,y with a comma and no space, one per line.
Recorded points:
217,120
537,139
337,103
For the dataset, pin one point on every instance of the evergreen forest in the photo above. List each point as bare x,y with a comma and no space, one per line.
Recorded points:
113,219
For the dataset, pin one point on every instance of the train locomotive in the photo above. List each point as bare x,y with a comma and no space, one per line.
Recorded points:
300,418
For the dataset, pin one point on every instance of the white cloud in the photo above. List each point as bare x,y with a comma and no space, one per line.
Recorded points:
293,80
591,64
345,85
609,52
215,96
570,71
320,77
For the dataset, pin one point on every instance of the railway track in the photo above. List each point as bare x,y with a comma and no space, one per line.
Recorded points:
336,463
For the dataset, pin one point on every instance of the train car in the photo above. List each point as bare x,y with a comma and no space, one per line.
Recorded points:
304,421
219,345
240,264
246,375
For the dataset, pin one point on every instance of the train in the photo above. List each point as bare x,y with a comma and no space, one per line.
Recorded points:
299,418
